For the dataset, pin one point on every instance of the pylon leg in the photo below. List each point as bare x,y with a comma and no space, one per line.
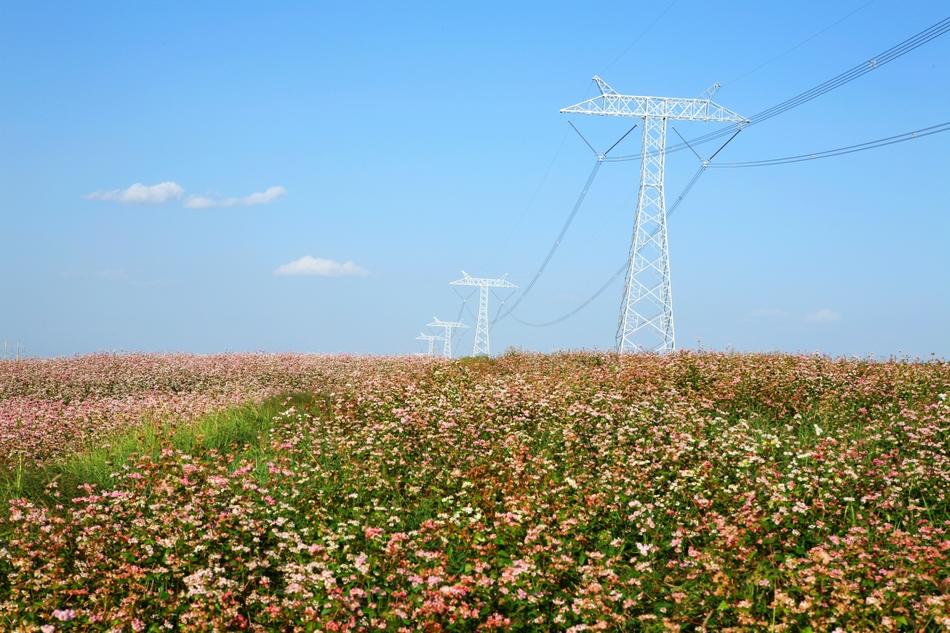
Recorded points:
646,314
482,346
447,342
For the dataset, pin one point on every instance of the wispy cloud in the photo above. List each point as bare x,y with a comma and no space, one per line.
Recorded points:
140,194
260,197
824,315
319,267
170,190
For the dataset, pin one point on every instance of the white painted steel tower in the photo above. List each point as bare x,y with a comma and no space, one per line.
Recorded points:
646,314
482,346
430,339
447,327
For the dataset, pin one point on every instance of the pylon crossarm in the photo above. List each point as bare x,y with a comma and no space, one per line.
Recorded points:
605,88
673,109
611,103
437,322
430,339
468,280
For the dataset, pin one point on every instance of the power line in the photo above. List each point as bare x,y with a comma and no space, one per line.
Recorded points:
689,185
840,151
912,43
557,242
641,35
584,304
849,75
798,45
534,194
601,157
904,47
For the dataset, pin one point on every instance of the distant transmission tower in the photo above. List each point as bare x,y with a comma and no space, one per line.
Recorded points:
646,314
447,327
431,339
482,346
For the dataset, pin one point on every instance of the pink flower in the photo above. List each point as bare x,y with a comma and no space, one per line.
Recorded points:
372,532
64,615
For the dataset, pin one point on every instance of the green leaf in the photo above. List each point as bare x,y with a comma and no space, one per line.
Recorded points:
723,606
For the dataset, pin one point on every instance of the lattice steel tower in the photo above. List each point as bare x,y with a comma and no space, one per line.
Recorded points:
482,326
447,327
646,314
430,339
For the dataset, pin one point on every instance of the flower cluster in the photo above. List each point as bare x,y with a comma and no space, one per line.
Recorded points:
48,407
569,492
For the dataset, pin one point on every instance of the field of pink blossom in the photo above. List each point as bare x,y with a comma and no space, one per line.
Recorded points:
530,492
50,407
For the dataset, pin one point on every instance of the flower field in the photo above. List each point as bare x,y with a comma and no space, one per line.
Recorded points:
530,492
48,407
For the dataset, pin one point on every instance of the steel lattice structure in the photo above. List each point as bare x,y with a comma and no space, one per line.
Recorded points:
431,339
646,313
447,327
482,345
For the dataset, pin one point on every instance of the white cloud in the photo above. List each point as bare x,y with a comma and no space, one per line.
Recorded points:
260,197
824,315
140,194
319,267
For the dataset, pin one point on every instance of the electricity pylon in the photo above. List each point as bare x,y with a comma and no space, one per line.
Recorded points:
646,314
482,346
447,327
431,339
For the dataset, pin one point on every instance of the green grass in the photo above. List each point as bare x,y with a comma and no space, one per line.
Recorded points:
237,430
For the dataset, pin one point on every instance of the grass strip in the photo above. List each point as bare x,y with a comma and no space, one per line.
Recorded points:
238,429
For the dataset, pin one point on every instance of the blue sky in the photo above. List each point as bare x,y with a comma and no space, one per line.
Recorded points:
396,146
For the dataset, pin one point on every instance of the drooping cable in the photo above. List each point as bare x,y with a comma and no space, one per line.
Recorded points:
898,50
641,35
908,45
704,164
583,305
798,45
464,304
557,242
570,218
840,151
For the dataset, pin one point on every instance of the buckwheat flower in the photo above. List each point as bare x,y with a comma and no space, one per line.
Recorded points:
64,615
360,563
371,532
